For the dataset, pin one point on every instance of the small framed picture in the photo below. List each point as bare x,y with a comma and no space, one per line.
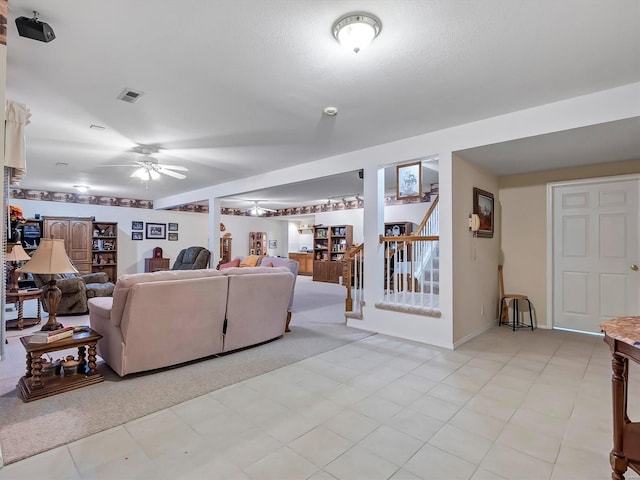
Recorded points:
136,235
137,226
409,181
156,231
273,243
483,207
173,236
173,227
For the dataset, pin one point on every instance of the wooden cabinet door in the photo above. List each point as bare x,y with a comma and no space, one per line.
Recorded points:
76,233
79,244
56,228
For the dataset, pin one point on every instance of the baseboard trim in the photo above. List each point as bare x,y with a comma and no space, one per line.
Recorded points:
472,335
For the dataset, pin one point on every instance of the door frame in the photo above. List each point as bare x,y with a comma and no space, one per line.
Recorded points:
551,187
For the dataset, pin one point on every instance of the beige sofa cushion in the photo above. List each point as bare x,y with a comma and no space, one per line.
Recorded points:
125,282
256,306
253,270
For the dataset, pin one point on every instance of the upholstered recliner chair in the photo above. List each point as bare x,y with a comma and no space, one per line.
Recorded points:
192,258
76,289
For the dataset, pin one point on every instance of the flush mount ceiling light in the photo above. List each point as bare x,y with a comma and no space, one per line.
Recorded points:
81,188
356,31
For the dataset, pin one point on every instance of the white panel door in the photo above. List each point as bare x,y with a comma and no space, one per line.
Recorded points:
595,253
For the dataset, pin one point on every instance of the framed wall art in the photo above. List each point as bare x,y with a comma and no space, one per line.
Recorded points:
273,243
173,227
173,237
483,207
409,181
156,231
136,235
137,225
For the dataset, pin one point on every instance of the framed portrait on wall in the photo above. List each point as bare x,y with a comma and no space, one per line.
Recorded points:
156,231
137,225
483,207
136,235
173,227
409,181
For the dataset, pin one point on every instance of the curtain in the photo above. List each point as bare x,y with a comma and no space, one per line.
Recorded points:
15,153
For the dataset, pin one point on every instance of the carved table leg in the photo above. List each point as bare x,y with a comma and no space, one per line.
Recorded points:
20,314
92,359
82,359
29,364
616,457
36,381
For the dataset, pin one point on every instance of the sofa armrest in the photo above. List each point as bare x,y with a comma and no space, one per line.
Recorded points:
97,277
71,285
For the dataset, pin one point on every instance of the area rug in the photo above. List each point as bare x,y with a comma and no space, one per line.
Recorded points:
30,428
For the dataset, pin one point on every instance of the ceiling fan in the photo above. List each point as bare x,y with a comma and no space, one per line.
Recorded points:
257,211
148,167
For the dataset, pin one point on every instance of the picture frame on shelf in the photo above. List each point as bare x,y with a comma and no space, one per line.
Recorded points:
135,225
156,231
136,235
409,181
173,227
173,236
483,206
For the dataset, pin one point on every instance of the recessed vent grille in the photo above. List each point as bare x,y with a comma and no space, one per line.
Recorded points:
130,95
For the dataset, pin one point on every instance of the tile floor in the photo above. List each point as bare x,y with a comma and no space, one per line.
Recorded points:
507,405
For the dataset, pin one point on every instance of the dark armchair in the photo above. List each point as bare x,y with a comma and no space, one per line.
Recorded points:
76,289
192,258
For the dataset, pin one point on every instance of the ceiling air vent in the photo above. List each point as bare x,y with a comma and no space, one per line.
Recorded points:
130,95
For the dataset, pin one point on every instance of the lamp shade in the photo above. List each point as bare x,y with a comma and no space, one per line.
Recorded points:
17,254
49,258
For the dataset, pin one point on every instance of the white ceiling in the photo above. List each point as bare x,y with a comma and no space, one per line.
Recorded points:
236,88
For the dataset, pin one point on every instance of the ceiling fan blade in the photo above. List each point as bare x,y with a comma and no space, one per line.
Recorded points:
122,165
174,167
171,173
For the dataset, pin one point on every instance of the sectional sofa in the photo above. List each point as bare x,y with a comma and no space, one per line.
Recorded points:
166,318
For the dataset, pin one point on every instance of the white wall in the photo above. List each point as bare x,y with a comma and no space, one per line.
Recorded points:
192,228
240,226
475,259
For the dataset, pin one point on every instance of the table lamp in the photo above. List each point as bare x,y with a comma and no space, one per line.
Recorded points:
15,255
50,259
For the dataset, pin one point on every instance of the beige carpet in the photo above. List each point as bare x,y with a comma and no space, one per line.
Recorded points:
30,428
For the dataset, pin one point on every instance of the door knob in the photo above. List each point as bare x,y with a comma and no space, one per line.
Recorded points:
634,267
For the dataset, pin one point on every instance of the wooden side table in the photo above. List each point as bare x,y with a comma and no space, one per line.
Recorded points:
33,386
154,264
622,334
20,297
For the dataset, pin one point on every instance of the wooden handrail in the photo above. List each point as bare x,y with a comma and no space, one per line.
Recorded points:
409,238
353,251
426,217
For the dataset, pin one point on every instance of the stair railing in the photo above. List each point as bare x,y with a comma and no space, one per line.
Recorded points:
354,278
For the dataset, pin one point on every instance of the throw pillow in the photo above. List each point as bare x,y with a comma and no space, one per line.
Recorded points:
250,261
233,263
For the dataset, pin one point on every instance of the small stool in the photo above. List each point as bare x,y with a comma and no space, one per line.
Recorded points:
516,312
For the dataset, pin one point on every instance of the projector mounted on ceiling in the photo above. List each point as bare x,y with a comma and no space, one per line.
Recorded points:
34,28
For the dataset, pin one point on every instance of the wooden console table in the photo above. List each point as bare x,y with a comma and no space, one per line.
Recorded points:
622,334
155,264
34,386
20,297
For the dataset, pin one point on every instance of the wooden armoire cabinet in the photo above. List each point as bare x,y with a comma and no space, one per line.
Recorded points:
77,233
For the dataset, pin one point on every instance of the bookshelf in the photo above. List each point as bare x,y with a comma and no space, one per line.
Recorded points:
330,244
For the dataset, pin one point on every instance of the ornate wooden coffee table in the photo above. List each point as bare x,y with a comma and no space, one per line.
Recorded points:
34,385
